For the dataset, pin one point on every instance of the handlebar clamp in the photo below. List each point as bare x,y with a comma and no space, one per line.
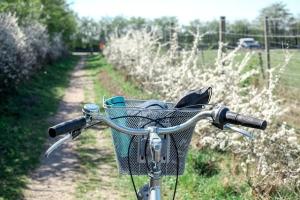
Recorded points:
218,116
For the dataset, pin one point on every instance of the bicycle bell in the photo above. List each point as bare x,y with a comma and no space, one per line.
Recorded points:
91,110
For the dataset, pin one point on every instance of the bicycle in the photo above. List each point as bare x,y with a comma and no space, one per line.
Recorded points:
151,142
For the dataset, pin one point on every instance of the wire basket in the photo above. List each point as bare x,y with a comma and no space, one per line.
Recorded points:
129,114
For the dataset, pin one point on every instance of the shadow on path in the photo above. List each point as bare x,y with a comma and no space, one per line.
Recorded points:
56,175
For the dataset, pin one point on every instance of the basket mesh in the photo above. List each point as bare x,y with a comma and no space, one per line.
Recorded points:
134,117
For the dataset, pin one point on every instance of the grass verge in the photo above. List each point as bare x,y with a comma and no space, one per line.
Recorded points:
207,176
23,122
95,149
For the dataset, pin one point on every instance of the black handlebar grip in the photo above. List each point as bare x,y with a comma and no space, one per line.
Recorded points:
67,126
238,119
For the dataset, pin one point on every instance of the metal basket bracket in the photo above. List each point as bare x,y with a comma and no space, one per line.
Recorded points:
165,150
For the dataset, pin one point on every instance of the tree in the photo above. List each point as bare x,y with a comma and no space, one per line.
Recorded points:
119,25
295,30
55,14
186,38
23,9
212,38
279,20
165,25
137,23
239,28
59,18
88,33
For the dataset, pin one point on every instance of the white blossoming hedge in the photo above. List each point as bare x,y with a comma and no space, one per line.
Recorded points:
270,160
38,39
56,48
24,49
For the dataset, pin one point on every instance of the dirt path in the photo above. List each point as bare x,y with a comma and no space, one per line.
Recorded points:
56,175
99,181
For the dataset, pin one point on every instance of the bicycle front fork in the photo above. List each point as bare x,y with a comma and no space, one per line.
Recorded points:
152,191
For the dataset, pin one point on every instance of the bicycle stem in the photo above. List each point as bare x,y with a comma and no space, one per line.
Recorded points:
155,172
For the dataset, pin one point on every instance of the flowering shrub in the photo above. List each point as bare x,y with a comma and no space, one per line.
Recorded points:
56,48
272,158
16,58
38,39
24,49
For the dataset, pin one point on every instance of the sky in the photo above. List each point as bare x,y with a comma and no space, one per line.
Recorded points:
184,10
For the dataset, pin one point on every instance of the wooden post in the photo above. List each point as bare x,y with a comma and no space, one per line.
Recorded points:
139,54
267,45
172,29
222,29
261,65
202,56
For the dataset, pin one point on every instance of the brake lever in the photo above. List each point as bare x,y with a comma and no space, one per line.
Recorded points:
58,144
69,136
241,131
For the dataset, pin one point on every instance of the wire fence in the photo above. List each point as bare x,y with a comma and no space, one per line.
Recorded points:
280,36
280,33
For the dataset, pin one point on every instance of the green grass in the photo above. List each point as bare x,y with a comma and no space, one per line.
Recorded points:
207,174
97,64
90,157
90,161
23,124
291,76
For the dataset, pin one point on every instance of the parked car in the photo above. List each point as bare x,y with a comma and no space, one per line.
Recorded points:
248,43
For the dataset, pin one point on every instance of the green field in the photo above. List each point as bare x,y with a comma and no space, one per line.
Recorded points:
291,76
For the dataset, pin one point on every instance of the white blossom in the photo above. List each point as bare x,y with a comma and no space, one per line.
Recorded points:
24,49
273,154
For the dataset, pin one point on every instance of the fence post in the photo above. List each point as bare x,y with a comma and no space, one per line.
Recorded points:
172,31
202,56
222,30
267,44
261,65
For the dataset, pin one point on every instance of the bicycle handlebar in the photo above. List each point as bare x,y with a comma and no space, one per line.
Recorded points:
67,126
238,119
168,130
220,116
